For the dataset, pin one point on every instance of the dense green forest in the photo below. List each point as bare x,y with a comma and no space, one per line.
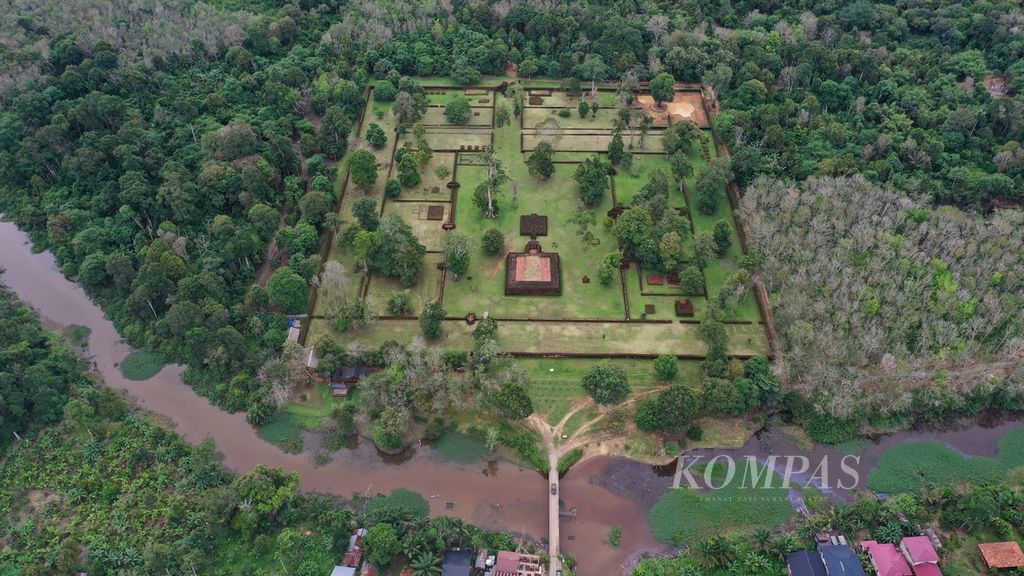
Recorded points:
173,160
36,372
98,486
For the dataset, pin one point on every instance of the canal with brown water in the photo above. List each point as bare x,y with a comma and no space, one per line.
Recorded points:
605,491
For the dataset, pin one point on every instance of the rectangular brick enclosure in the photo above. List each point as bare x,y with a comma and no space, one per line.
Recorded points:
533,274
533,225
435,212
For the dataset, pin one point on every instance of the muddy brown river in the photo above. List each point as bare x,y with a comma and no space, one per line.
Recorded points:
507,497
605,491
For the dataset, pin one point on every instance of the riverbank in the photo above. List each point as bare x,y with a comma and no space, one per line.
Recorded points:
605,491
500,495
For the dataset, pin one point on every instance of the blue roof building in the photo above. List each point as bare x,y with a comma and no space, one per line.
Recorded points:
805,563
840,560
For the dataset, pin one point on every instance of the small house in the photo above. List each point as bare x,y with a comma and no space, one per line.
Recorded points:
355,542
1001,555
805,563
921,555
343,571
886,559
516,564
342,380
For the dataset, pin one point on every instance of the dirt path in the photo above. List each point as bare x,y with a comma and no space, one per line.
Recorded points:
550,436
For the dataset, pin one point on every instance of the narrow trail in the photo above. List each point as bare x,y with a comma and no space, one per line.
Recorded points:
582,436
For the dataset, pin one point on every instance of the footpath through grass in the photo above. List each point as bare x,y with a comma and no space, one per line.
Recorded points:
911,466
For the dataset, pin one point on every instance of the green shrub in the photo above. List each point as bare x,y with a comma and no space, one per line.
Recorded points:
141,365
386,439
493,242
569,460
615,536
78,335
456,359
400,303
666,367
606,384
523,441
435,430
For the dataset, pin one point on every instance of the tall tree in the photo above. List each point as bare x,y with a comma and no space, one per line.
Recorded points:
363,168
663,88
456,248
486,193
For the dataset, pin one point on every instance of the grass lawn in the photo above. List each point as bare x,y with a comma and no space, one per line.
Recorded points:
597,338
449,138
716,275
481,290
961,556
686,517
535,115
556,381
414,214
721,432
629,182
432,188
578,419
434,116
597,141
663,298
558,98
459,447
141,365
910,466
308,414
427,289
282,428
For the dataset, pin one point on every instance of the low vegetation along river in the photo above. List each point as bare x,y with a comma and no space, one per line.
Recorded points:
605,491
506,497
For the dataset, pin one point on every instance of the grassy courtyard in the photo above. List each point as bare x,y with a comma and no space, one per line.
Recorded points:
627,322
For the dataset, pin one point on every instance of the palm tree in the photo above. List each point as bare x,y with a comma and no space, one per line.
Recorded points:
426,564
762,539
717,552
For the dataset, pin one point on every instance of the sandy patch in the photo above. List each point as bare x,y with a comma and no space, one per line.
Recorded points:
686,105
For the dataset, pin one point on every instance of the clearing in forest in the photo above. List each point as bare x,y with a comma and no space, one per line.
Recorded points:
637,315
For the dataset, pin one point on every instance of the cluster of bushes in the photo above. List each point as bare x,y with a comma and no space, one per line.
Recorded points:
673,410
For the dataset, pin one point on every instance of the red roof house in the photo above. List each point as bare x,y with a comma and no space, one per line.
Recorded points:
921,555
886,559
507,564
1000,555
